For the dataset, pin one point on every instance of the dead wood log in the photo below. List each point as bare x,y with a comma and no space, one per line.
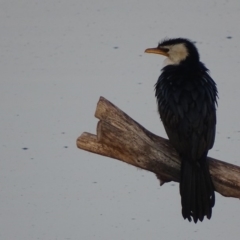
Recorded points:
120,137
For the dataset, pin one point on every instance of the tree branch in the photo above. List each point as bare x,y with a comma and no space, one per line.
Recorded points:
120,137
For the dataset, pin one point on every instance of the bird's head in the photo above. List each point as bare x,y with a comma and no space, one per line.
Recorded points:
177,51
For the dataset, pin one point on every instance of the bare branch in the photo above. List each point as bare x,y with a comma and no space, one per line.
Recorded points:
120,137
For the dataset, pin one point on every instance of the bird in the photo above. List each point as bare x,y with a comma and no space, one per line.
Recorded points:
187,100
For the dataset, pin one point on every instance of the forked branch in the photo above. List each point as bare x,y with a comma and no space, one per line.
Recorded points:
120,137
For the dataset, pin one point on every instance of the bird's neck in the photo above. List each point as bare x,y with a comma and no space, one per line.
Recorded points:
187,65
167,62
192,62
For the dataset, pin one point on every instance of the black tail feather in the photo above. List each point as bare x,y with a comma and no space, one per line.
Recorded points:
196,189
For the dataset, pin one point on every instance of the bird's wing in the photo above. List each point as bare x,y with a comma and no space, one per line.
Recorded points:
187,109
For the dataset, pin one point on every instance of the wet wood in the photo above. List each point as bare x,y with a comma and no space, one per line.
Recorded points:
120,137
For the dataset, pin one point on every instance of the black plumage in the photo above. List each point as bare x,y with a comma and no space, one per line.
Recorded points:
187,98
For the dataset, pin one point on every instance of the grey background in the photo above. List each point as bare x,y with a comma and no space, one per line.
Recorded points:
56,59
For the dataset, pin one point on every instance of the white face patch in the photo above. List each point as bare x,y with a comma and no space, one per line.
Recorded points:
177,53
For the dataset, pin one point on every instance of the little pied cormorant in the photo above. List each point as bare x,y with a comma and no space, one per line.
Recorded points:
187,99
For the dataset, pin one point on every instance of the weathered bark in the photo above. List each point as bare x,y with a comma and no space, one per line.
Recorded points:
120,137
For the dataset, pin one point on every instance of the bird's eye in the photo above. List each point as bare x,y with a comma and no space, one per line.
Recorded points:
164,49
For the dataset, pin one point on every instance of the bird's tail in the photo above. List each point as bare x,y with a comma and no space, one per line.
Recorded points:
196,189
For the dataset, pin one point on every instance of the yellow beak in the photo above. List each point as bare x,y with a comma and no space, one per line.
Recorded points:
156,51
